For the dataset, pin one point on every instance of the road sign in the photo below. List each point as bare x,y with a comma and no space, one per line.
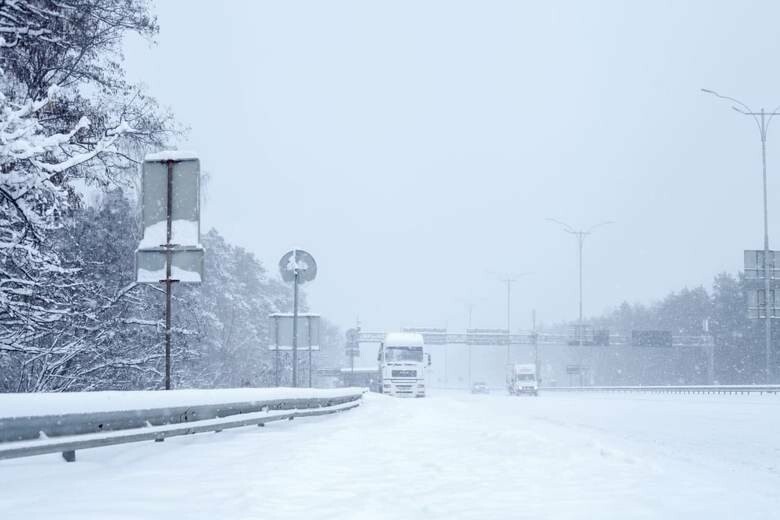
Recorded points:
170,249
757,304
186,265
651,338
430,336
352,347
754,265
298,261
170,219
308,331
184,185
487,336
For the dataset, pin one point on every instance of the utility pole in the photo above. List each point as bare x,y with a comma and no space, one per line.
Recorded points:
580,234
762,120
508,282
470,307
536,344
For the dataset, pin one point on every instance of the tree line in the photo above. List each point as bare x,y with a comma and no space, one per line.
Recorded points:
73,131
739,352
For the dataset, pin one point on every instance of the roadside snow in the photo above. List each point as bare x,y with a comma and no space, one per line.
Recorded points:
451,456
23,405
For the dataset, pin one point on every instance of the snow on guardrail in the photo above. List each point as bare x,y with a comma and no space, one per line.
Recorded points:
42,403
32,424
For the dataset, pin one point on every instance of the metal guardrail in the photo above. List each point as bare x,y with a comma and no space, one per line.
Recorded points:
680,389
28,436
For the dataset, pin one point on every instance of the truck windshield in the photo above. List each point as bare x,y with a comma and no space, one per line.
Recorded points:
394,354
525,377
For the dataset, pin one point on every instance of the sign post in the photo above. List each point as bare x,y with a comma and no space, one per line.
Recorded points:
170,249
353,349
297,266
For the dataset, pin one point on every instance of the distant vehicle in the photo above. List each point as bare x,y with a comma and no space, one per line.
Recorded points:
521,379
402,364
480,388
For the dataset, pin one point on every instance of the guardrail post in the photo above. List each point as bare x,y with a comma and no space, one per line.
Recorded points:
69,456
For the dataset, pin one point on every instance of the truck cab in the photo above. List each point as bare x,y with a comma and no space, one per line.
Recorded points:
521,379
402,365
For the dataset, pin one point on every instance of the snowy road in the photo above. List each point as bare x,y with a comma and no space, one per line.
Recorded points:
450,456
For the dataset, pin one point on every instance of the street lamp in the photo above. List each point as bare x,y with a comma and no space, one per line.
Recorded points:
762,120
508,280
580,234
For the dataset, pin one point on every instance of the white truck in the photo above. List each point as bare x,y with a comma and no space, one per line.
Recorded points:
521,379
402,364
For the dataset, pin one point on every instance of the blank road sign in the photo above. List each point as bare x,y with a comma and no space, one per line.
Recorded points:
308,331
185,201
186,265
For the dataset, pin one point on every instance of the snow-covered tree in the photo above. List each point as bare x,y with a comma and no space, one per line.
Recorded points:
68,121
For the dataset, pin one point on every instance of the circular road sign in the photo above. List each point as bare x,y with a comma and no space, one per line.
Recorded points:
298,261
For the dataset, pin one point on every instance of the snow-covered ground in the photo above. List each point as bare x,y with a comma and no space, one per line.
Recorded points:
450,456
23,405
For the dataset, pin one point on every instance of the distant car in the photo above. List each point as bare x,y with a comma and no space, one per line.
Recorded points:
480,388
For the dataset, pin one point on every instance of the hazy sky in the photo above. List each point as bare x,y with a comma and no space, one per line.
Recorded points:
415,147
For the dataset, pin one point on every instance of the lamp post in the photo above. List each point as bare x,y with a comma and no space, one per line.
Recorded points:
762,119
508,279
580,234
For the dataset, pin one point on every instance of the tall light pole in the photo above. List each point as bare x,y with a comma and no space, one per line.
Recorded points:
470,307
509,282
580,234
508,279
762,120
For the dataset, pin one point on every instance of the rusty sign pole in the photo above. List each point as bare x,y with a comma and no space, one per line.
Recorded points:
295,330
310,340
168,282
276,354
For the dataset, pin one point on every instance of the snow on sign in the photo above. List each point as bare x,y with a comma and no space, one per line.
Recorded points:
186,265
184,184
300,262
171,218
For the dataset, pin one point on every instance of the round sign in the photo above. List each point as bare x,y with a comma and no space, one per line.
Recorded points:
300,262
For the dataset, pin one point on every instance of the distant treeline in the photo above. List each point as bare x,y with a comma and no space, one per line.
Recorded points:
739,341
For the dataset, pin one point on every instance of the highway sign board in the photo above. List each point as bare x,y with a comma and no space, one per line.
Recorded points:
186,265
651,338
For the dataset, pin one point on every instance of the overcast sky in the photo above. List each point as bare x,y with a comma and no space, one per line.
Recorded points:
415,148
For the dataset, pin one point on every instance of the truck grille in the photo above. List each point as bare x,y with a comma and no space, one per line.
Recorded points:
404,373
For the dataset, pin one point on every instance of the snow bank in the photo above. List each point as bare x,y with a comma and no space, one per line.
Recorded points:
452,456
23,405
